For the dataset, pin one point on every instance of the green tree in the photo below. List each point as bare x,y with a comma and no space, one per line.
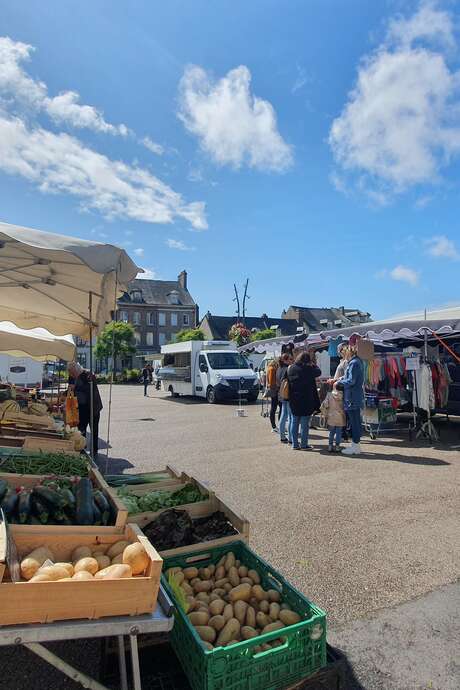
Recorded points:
117,340
189,334
263,335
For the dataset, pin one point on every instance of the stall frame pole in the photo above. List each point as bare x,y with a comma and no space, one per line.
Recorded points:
111,373
91,386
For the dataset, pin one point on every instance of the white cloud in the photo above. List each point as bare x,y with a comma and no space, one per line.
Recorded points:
401,122
441,247
139,251
405,274
234,127
148,274
195,175
64,108
423,201
178,244
152,146
300,81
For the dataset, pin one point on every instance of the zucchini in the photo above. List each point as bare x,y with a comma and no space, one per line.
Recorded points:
40,509
24,507
103,505
4,486
69,497
84,513
51,498
9,504
97,515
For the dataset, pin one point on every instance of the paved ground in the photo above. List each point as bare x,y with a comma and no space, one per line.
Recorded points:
357,535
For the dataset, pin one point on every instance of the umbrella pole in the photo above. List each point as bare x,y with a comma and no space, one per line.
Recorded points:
59,383
91,386
111,373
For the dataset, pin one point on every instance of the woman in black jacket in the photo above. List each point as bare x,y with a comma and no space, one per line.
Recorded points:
303,398
80,384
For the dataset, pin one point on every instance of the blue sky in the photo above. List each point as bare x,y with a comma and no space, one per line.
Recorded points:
313,147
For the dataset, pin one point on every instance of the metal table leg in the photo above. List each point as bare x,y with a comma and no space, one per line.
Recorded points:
122,663
64,667
135,662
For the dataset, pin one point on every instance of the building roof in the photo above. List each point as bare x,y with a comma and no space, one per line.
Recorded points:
314,315
157,292
220,325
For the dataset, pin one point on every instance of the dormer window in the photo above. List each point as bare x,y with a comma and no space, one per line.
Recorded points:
173,297
136,295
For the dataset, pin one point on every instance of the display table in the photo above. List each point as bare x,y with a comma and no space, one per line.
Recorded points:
32,637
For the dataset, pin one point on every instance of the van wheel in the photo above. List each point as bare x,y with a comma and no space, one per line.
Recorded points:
211,395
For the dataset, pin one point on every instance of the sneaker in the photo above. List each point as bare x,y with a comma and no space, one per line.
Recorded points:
296,448
353,449
330,449
274,430
284,440
307,448
337,449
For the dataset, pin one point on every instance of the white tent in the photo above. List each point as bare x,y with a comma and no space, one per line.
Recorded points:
36,343
56,282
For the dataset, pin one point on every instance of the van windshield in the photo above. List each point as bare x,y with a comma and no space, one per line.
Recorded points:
227,360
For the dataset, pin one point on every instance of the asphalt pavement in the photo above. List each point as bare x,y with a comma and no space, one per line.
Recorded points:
373,539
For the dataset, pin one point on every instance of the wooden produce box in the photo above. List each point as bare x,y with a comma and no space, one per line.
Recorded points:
44,602
239,523
31,480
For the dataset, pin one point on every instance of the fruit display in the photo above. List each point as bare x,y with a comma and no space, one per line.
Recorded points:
121,560
56,500
226,604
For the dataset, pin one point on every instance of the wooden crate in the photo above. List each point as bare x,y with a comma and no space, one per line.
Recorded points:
44,602
30,480
239,523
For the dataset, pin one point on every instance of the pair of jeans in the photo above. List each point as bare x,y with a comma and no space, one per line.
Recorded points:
285,420
84,414
304,423
335,432
146,383
354,415
273,408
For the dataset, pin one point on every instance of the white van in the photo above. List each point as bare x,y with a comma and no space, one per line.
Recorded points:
207,369
22,371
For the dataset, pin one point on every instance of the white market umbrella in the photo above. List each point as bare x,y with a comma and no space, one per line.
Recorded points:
56,282
37,343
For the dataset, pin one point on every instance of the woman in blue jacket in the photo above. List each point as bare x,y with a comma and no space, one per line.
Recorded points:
353,398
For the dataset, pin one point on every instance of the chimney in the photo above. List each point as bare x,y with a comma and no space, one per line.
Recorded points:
182,279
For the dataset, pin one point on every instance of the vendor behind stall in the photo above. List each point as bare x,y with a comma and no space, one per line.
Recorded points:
80,385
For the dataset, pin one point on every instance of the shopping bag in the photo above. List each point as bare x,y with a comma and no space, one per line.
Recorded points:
284,389
71,410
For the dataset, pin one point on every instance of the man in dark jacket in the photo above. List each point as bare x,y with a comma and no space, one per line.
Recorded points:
303,398
80,383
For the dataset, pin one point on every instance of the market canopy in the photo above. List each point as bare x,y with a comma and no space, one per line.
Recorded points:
444,322
37,343
46,280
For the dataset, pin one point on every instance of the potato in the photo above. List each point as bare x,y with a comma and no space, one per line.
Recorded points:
34,560
220,583
204,573
202,596
233,576
114,572
259,593
194,580
41,577
228,612
240,593
53,572
277,625
203,586
273,595
257,649
242,571
254,603
265,647
254,575
207,645
237,563
264,606
65,579
103,561
262,620
248,632
206,633
179,578
221,561
99,550
136,557
117,548
220,592
116,560
190,573
81,552
214,597
216,607
198,617
274,611
83,575
239,609
187,589
88,564
67,566
250,617
192,604
229,561
289,617
212,569
203,607
229,631
246,581
220,573
217,622
228,587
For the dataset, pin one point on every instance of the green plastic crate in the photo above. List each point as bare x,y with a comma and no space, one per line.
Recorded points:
239,667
